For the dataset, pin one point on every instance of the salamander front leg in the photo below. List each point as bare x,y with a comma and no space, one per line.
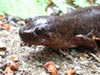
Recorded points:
83,40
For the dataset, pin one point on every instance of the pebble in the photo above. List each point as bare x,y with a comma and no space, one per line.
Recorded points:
73,52
1,59
57,66
78,67
2,53
1,72
43,73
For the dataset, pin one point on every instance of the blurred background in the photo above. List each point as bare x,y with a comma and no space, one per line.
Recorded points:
31,8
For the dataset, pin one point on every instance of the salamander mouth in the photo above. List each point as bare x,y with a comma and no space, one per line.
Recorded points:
34,40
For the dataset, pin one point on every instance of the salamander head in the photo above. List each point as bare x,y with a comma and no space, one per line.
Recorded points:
39,31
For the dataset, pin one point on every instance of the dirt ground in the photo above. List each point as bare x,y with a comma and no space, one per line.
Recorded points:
31,60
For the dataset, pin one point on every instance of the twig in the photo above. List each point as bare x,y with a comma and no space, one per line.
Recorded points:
95,38
94,56
62,52
12,43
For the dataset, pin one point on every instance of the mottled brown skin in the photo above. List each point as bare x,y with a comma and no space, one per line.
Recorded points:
61,32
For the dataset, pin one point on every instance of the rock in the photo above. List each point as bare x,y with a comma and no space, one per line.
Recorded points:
57,66
1,60
43,73
2,53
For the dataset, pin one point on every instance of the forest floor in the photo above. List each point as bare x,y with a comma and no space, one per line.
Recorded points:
32,60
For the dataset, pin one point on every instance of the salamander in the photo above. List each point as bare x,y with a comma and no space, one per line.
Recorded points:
76,28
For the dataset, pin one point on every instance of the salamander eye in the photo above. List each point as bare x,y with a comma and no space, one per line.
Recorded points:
40,31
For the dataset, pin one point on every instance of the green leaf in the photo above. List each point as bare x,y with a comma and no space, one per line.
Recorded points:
81,3
97,1
23,8
63,6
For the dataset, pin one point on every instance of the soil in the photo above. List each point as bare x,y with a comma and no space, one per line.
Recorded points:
31,59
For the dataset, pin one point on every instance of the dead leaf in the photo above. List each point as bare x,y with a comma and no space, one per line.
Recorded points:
51,67
13,66
8,71
71,71
7,27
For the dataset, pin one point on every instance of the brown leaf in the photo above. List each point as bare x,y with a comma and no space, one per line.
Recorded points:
7,27
8,71
71,71
13,65
51,67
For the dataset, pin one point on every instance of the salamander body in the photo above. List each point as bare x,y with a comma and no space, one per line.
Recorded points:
76,28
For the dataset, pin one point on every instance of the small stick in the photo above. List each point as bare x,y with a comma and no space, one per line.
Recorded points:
62,52
96,58
95,38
